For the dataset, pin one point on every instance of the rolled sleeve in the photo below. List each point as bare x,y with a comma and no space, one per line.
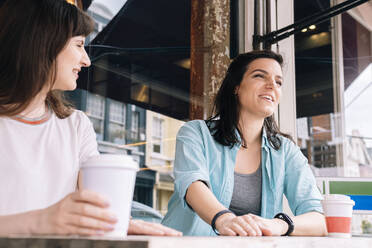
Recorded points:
300,185
190,162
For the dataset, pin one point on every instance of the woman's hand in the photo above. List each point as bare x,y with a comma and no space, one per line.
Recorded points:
249,225
83,212
270,227
231,225
139,227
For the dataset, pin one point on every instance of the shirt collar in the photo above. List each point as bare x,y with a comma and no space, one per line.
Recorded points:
265,144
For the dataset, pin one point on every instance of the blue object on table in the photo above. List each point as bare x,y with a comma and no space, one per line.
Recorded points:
145,213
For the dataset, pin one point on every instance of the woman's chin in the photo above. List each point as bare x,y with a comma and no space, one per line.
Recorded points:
69,87
267,113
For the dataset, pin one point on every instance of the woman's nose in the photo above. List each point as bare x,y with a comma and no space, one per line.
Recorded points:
85,60
271,82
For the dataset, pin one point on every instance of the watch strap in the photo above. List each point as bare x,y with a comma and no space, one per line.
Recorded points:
213,223
288,220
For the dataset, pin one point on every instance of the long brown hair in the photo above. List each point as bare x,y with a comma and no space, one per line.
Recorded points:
32,34
226,104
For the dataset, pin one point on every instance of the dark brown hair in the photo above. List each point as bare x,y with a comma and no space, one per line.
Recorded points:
32,34
226,104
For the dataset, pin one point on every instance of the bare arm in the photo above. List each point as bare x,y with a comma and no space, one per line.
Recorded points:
82,212
309,224
203,202
24,223
206,205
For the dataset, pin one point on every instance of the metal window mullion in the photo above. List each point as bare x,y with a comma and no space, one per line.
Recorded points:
338,90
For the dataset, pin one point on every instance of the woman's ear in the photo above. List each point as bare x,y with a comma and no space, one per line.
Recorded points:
236,90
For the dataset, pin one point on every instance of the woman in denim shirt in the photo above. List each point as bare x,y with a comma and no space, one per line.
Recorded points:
232,170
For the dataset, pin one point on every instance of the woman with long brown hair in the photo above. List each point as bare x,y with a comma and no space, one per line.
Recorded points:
232,170
43,140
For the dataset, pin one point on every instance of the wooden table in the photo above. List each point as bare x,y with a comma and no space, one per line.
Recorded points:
185,242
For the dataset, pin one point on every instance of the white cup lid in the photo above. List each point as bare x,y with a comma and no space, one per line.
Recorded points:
338,198
120,161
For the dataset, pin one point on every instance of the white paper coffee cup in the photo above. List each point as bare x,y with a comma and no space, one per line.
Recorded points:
113,176
338,210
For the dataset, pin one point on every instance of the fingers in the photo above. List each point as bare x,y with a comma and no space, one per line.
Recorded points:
139,227
89,210
239,229
167,231
84,222
261,222
227,232
85,213
241,226
253,224
247,225
90,197
84,231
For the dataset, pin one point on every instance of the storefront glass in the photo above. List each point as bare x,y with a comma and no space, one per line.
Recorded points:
333,124
334,88
357,53
136,92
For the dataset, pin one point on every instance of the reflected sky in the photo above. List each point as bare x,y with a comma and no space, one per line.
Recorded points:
358,105
113,5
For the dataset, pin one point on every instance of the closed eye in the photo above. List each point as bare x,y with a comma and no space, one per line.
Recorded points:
259,75
80,44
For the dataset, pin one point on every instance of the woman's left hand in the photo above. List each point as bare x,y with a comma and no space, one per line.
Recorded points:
270,227
140,227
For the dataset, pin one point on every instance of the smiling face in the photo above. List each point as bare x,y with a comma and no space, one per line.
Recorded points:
260,89
69,62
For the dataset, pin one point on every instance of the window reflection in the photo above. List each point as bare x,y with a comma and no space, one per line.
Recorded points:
102,12
116,129
140,53
334,119
157,135
335,143
357,50
314,91
96,113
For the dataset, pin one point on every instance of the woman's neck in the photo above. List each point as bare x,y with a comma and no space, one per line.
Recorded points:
250,128
36,108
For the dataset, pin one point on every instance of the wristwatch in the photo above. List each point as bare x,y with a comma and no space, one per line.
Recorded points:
289,221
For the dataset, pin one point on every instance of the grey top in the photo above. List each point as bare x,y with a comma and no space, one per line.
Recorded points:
246,196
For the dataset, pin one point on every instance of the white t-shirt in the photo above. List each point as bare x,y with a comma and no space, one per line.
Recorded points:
39,164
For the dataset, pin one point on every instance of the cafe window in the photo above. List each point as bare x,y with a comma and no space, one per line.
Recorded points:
140,53
96,112
116,125
314,87
135,126
157,135
357,68
333,63
333,103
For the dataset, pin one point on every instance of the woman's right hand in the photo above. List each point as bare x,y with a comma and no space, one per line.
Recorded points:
83,213
231,225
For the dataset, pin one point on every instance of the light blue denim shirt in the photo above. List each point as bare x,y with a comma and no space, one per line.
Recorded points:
200,157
